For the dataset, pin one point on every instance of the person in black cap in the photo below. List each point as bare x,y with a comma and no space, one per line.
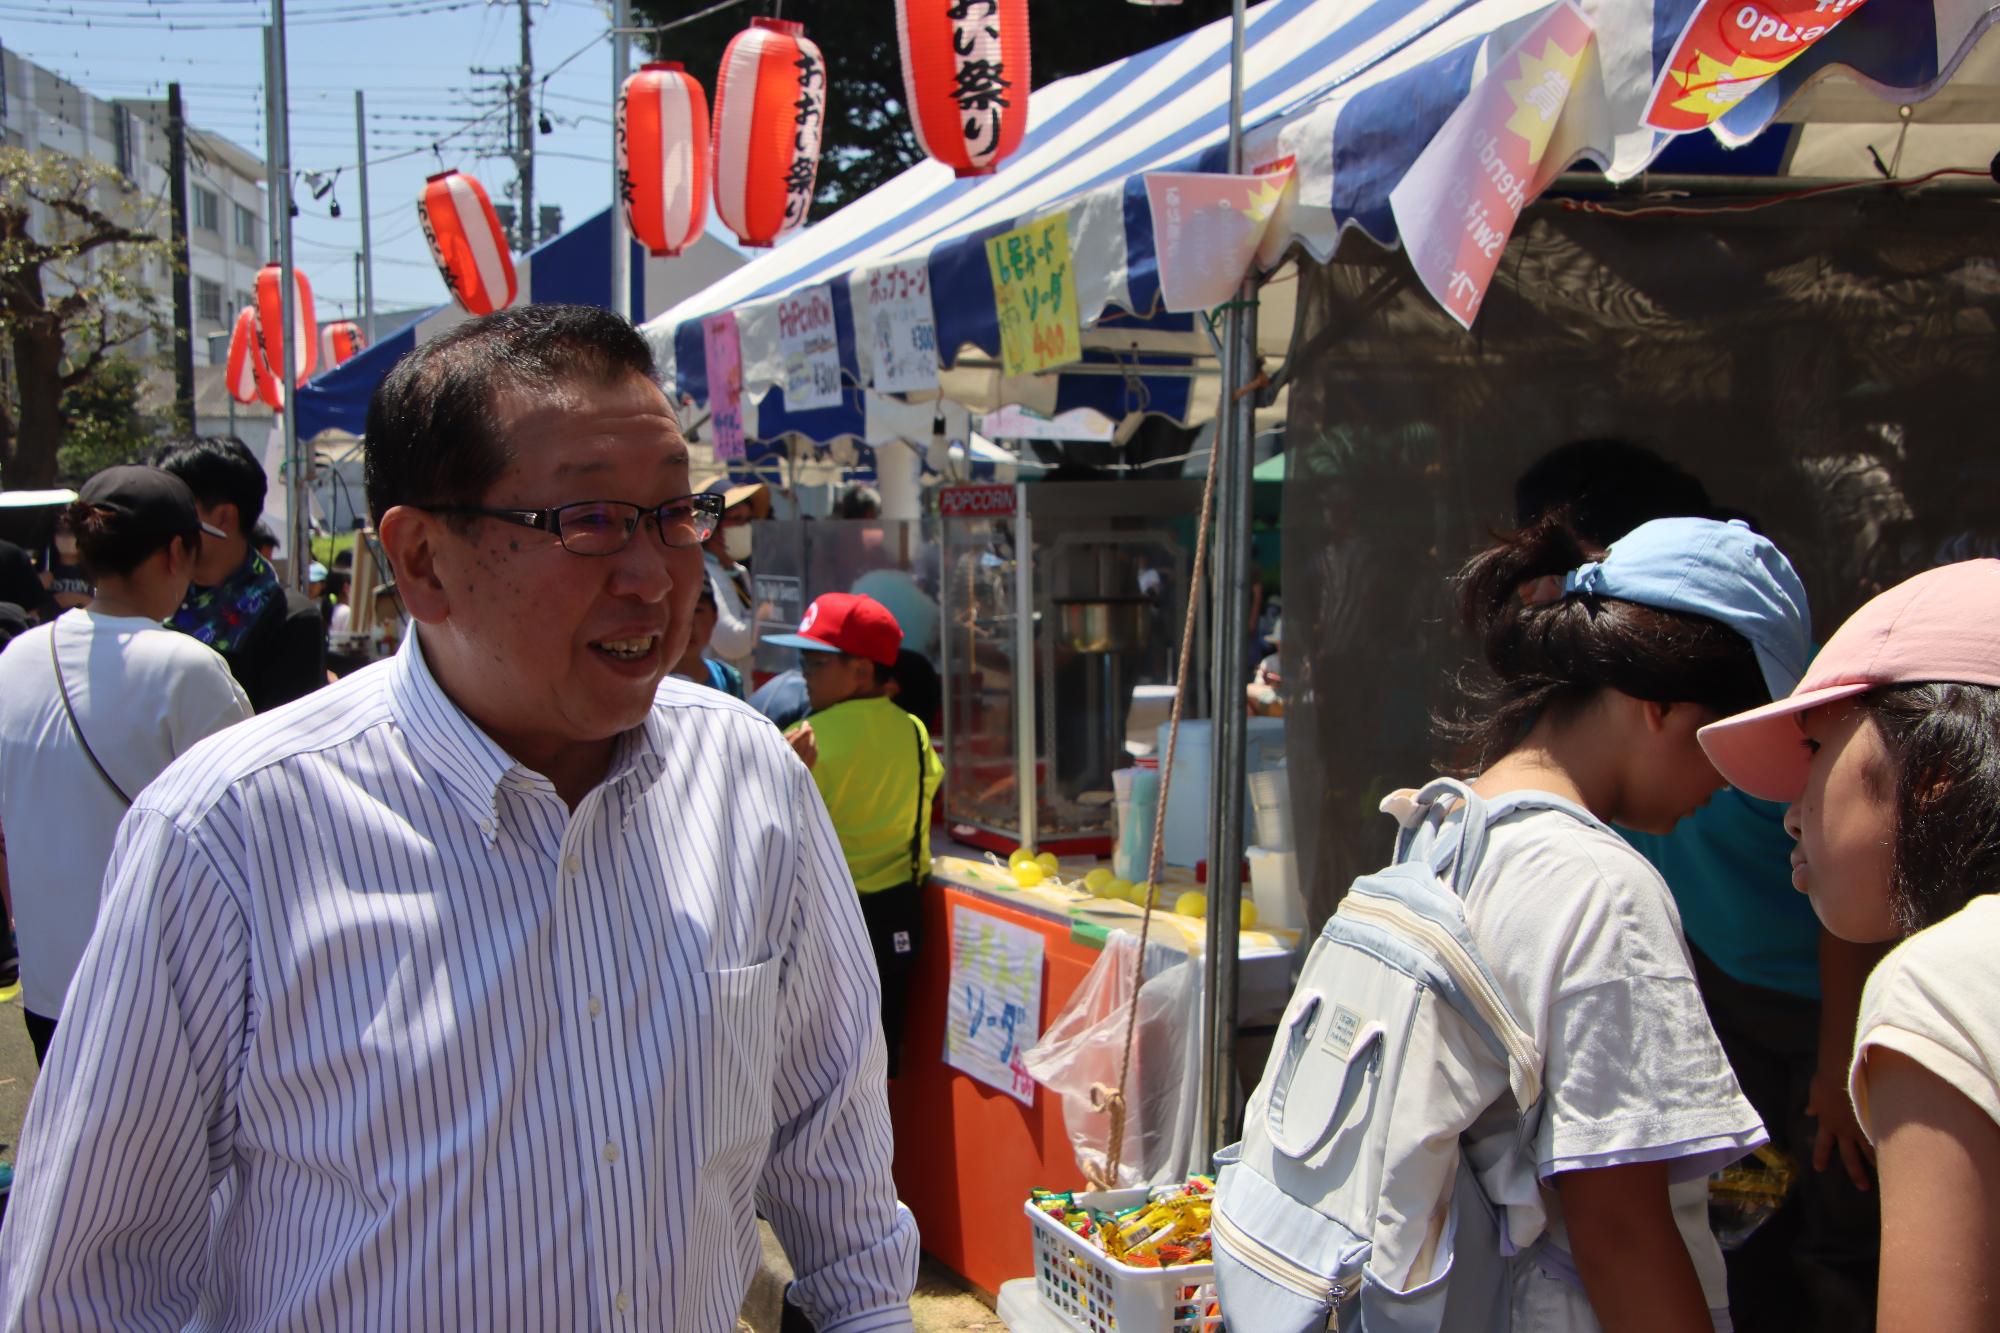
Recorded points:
92,706
273,638
20,584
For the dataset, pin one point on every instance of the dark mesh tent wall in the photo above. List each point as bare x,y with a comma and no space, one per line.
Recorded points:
1825,366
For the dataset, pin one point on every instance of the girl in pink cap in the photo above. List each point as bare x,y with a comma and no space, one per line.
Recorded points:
1889,753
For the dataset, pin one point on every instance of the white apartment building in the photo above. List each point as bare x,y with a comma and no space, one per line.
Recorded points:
227,230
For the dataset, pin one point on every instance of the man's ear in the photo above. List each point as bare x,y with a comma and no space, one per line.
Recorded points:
410,539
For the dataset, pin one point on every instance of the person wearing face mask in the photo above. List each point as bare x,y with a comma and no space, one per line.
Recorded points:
726,555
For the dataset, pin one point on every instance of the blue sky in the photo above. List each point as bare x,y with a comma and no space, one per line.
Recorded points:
412,60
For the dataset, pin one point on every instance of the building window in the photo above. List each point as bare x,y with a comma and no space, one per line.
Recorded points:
207,210
208,301
246,227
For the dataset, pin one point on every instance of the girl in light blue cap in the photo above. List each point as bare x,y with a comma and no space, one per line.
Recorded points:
1598,670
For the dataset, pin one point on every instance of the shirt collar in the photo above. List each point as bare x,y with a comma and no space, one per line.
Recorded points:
471,764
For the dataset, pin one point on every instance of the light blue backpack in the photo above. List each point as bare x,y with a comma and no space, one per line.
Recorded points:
1350,1203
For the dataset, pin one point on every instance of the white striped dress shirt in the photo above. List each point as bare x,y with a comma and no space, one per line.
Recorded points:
375,1033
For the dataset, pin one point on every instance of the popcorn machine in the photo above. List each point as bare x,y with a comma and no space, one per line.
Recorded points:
1061,600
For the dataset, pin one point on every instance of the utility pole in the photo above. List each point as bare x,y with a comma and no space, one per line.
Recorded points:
621,227
298,541
177,169
524,106
367,284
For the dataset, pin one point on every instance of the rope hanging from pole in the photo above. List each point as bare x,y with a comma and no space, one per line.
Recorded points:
1112,1100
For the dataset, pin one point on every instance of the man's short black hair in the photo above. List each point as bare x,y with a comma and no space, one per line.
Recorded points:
219,469
432,424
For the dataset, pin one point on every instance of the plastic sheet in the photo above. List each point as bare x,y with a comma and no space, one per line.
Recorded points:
1084,1045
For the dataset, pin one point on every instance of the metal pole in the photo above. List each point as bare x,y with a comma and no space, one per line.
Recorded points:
621,229
177,162
524,107
1025,729
367,250
1228,639
298,543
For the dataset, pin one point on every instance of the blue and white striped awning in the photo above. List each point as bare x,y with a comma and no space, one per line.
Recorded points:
1353,90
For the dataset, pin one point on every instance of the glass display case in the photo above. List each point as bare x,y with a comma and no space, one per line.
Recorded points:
895,561
1060,600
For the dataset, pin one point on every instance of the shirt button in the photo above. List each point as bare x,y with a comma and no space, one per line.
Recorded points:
623,1301
595,1006
574,866
610,1152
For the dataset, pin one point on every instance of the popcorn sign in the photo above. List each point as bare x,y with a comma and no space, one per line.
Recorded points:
1458,203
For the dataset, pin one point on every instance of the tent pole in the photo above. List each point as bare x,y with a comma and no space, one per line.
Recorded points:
1227,673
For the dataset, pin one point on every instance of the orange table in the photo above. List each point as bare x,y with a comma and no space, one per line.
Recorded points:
967,1154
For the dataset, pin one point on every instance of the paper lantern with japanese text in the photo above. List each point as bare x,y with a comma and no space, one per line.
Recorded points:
270,392
467,243
965,74
242,372
271,319
770,106
339,341
663,140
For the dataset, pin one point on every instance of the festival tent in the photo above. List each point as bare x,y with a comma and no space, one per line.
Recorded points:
1344,94
575,267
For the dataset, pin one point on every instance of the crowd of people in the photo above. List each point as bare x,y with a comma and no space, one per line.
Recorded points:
509,981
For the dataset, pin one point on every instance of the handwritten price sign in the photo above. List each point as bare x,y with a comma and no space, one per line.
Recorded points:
1035,296
995,1007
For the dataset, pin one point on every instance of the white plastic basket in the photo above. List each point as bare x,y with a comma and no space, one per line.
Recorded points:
1094,1293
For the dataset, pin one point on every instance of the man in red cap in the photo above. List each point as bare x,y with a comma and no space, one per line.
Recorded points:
875,768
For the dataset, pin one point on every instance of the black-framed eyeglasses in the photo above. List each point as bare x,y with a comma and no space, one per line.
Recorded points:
605,527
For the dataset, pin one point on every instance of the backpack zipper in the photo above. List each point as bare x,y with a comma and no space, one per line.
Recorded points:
1470,976
1279,1269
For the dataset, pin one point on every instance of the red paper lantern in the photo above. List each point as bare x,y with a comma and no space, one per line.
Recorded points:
244,357
965,71
467,243
341,339
663,156
270,389
271,319
770,105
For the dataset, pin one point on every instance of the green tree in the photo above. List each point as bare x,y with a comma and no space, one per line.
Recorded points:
106,421
868,138
74,255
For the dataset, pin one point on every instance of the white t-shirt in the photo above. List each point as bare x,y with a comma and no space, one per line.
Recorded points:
1936,999
735,637
1585,942
143,695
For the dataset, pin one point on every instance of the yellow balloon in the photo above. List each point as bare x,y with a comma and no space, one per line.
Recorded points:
1097,879
1192,904
1118,888
1249,911
1021,856
1047,861
1028,875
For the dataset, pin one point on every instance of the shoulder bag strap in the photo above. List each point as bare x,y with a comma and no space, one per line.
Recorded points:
55,660
917,833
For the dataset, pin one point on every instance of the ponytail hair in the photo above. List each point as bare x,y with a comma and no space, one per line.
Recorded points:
108,548
1944,745
1547,651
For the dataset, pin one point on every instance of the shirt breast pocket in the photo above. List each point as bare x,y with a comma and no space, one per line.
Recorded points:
740,1018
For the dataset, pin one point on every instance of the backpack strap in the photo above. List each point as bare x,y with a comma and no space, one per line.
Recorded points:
55,660
1424,835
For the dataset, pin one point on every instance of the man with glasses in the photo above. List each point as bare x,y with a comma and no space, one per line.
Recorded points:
503,983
